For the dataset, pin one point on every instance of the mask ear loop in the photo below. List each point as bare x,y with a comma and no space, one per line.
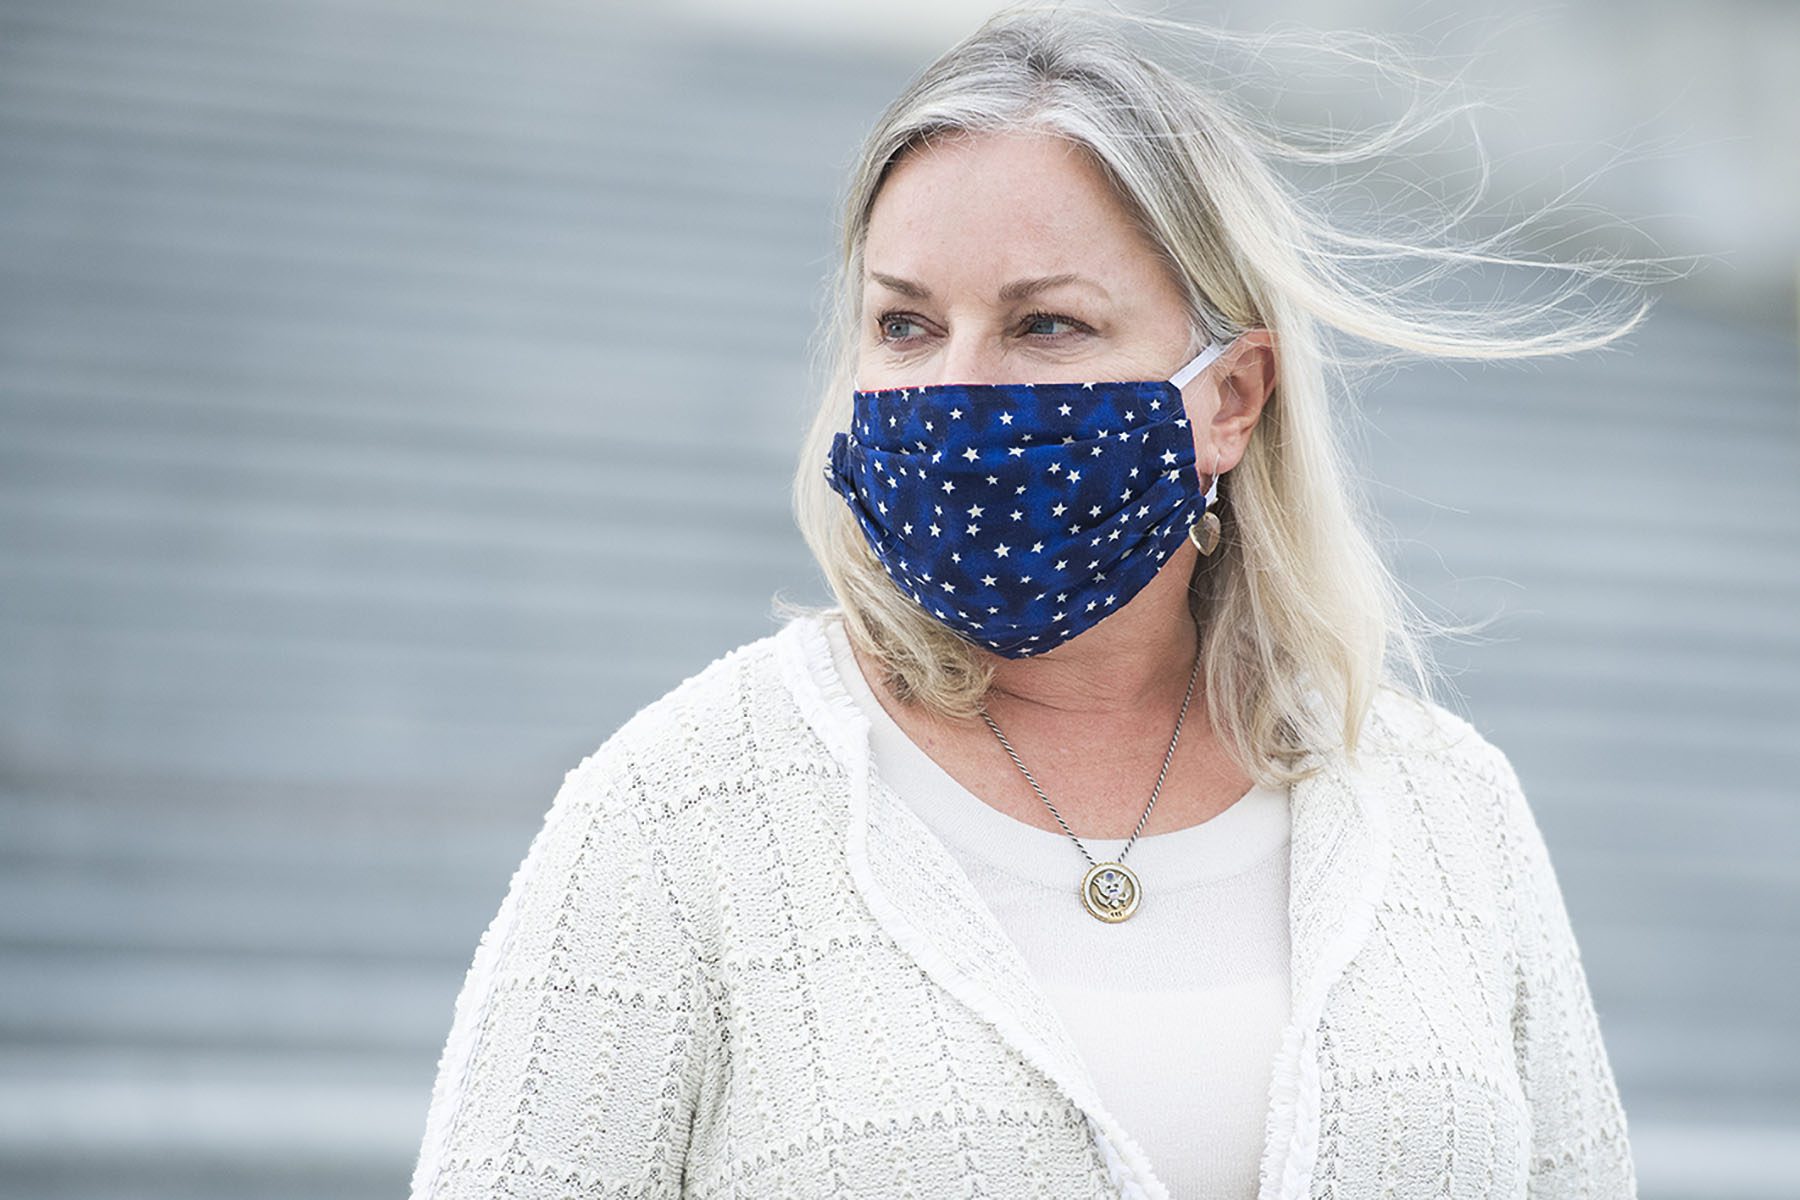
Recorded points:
1199,363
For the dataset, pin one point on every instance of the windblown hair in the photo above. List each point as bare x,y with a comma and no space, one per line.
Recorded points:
1300,620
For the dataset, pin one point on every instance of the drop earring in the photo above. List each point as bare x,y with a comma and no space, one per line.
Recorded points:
1204,533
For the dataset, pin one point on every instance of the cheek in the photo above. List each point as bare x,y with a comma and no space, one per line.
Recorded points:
871,365
1194,403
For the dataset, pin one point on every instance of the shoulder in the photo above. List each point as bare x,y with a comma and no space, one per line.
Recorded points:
749,734
734,718
1417,734
1452,797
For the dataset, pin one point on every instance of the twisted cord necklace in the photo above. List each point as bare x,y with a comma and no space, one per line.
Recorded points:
1110,891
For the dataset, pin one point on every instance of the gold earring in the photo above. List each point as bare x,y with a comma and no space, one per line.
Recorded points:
1204,533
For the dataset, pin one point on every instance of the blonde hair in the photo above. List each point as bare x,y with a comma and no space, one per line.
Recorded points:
1296,607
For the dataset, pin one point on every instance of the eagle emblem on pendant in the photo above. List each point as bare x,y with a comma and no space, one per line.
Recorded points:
1110,891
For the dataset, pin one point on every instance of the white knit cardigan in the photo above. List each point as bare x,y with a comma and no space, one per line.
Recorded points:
734,963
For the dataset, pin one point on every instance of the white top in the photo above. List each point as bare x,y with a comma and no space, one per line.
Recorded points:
733,963
1177,1012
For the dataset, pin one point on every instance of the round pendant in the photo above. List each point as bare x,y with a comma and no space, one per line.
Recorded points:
1110,891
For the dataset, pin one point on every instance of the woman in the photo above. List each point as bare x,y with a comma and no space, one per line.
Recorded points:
1090,845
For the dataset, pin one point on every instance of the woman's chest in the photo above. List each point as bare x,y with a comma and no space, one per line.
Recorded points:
846,1068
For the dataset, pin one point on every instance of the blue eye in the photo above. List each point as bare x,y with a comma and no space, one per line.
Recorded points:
894,325
1035,322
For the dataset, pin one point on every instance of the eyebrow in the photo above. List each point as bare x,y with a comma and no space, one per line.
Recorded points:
1018,289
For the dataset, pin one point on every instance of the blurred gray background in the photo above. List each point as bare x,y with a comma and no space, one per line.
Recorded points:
350,349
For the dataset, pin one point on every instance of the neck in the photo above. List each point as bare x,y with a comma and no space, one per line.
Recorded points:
1131,667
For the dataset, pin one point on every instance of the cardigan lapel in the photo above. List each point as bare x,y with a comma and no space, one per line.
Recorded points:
1337,870
914,887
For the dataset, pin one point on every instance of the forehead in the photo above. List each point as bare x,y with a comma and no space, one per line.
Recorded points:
968,209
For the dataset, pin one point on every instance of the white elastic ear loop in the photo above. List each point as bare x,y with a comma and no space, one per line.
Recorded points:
1199,363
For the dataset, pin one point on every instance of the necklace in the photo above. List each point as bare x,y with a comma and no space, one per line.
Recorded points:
1110,891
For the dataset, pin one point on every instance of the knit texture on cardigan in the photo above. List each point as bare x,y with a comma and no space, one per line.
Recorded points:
733,963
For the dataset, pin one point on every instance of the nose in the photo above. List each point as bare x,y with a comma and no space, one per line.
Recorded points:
967,358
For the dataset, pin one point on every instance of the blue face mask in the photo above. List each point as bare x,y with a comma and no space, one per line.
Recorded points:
1021,515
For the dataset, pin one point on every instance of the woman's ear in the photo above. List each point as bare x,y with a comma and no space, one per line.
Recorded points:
1245,380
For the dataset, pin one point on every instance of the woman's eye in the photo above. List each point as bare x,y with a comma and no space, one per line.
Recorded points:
1043,325
899,327
896,328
